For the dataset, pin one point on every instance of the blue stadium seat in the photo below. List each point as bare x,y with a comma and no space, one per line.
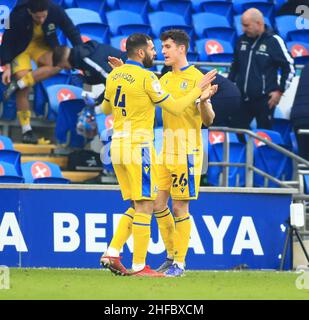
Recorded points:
237,155
265,6
8,3
214,50
158,46
90,23
61,92
8,154
42,172
268,159
278,4
95,5
69,3
286,24
66,123
137,6
161,21
299,51
182,7
123,22
221,7
105,131
284,127
238,26
66,101
40,104
119,42
82,16
8,174
210,25
192,56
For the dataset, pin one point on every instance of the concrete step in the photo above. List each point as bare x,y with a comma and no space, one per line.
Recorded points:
34,148
79,176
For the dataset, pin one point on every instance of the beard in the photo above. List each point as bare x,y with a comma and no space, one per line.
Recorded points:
148,61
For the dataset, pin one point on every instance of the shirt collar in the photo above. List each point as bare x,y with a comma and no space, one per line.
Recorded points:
135,63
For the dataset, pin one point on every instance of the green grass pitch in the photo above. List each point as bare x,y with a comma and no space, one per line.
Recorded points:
83,284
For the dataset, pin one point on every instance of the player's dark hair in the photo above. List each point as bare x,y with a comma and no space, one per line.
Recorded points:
180,37
136,41
58,54
38,5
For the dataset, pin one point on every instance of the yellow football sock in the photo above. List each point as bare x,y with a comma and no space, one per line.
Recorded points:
24,117
27,80
182,237
141,237
166,225
124,230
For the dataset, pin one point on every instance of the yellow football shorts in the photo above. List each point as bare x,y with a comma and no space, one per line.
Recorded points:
180,174
136,170
33,52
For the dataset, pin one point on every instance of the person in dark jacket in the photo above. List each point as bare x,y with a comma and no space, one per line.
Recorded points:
31,37
91,57
258,57
300,112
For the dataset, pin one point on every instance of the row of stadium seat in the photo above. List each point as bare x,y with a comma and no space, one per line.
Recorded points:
265,158
124,22
13,171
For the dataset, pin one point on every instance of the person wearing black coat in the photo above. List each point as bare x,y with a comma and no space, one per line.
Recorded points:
300,112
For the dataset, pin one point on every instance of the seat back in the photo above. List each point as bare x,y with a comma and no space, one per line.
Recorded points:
8,173
124,22
215,50
58,93
161,21
42,172
66,123
211,25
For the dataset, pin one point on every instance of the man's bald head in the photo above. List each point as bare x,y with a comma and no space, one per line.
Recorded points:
253,22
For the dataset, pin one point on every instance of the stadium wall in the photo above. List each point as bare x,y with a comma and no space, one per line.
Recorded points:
70,226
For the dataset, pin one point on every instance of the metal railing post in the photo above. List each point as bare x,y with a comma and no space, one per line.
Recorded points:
249,162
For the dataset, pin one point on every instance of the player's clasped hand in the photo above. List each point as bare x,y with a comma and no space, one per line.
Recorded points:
114,62
207,79
209,92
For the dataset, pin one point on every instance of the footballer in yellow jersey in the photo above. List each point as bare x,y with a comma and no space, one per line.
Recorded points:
131,95
31,37
179,173
182,153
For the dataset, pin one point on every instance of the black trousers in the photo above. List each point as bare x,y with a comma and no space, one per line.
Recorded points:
253,108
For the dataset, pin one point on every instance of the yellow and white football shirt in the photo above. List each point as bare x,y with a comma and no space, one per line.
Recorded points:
182,154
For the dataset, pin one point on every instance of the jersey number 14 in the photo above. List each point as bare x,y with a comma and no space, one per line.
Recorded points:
120,100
